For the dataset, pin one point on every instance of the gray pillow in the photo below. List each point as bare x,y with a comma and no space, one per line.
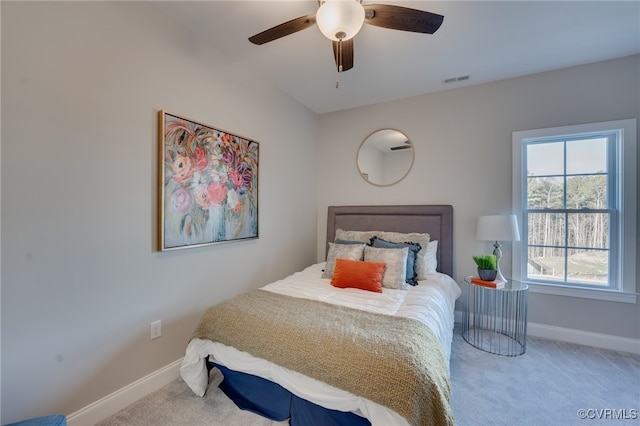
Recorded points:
396,260
414,237
414,248
341,251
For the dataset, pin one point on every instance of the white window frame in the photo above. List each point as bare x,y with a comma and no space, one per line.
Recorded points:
627,177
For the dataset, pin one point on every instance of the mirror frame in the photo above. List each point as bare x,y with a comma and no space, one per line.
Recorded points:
364,141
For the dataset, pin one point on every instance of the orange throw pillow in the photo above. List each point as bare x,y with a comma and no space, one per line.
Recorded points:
358,274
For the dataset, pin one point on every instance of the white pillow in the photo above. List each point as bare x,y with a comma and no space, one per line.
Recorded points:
341,251
431,258
396,259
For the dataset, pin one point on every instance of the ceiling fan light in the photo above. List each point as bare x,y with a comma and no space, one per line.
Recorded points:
340,19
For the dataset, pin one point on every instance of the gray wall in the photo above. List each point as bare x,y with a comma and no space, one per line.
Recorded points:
462,142
81,280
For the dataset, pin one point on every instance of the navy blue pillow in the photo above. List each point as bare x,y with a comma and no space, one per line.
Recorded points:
339,241
414,248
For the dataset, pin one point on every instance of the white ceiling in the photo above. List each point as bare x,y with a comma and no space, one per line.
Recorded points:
486,40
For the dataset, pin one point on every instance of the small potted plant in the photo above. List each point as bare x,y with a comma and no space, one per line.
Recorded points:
487,266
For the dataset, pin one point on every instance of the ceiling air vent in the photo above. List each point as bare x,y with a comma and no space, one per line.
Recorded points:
455,79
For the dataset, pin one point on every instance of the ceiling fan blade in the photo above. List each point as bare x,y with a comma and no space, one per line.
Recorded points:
407,145
402,18
399,147
285,29
343,53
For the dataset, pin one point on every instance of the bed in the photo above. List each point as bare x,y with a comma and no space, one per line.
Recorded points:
323,347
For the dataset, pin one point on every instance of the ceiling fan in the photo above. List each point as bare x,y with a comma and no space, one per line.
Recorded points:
340,21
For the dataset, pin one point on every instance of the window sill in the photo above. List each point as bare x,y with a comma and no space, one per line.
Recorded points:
608,295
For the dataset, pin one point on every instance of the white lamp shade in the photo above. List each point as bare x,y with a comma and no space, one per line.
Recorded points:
336,18
498,228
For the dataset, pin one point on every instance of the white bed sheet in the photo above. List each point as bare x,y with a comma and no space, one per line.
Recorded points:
432,302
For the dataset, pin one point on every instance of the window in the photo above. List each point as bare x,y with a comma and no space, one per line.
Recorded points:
575,195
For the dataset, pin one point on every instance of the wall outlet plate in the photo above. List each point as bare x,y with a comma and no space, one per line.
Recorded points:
155,329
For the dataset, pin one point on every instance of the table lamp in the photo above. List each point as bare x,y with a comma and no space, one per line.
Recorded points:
498,228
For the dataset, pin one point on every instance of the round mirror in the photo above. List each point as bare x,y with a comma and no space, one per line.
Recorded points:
385,157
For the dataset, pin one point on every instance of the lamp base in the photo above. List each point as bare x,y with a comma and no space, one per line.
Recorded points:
497,252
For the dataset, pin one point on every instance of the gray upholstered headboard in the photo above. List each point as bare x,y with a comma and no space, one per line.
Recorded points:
436,220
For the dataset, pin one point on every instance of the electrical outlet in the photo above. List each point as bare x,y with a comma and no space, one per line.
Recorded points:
156,329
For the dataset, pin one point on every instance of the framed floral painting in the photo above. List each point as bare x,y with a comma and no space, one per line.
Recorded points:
208,181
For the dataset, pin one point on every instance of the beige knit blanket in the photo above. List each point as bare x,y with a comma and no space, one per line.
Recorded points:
396,362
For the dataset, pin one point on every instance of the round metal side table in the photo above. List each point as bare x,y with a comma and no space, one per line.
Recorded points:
495,319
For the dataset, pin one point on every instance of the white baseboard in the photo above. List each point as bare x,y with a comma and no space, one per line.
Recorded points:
598,340
587,338
111,404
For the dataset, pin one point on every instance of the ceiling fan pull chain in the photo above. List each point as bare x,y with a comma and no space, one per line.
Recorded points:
339,62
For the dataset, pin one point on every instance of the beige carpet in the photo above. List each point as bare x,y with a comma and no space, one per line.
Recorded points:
175,404
548,385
